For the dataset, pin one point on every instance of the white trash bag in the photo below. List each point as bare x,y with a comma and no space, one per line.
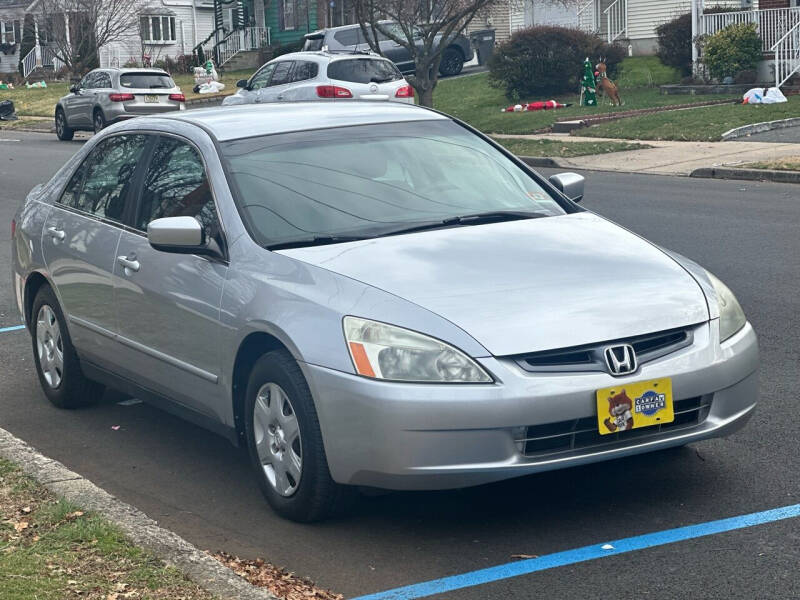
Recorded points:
771,95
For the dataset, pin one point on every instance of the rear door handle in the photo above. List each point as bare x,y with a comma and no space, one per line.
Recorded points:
130,264
58,235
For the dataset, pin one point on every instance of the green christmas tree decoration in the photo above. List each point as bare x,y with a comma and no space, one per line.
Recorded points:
588,85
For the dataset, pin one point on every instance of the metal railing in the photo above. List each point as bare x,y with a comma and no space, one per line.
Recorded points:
588,18
616,20
787,55
239,40
41,57
772,23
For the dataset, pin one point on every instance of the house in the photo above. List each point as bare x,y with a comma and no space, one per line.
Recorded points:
12,15
231,31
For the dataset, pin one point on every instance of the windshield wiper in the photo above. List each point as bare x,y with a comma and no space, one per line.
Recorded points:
496,216
317,240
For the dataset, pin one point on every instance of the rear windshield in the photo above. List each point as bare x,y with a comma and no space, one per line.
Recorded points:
370,179
313,44
146,81
363,70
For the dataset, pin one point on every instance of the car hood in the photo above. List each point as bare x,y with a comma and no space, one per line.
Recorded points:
527,286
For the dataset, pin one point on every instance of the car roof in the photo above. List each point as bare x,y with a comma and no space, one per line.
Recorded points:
328,55
124,70
252,120
342,27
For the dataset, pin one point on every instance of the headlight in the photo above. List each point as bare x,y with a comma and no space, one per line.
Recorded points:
384,351
731,315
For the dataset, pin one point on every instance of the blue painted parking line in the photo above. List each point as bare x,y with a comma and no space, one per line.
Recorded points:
14,328
578,555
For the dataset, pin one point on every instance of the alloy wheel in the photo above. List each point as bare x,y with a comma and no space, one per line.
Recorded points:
49,346
277,438
60,124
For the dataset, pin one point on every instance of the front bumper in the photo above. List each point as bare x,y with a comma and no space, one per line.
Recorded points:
420,436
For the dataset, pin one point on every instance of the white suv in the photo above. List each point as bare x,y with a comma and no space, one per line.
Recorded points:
304,76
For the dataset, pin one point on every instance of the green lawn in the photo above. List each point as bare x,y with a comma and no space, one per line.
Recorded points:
53,550
699,124
644,71
474,101
791,163
566,149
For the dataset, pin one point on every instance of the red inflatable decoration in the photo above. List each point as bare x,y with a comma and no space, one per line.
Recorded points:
533,106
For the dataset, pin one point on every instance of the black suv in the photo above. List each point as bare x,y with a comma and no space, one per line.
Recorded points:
350,37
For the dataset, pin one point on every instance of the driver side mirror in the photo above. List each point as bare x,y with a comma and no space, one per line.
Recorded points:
74,89
181,235
570,184
242,83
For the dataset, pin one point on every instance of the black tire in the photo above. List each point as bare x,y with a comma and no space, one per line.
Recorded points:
98,120
74,389
452,62
316,495
63,131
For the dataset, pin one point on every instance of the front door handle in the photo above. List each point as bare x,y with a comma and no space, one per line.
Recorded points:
129,263
280,97
58,235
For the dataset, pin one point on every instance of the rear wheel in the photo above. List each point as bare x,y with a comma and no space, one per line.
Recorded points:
285,442
452,62
99,120
63,132
56,361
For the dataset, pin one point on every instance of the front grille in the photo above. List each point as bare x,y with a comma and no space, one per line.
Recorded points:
581,434
590,357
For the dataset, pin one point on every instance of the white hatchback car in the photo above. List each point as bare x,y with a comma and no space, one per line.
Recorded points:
305,76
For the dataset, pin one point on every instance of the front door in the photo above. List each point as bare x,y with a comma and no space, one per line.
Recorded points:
279,83
80,241
168,304
79,106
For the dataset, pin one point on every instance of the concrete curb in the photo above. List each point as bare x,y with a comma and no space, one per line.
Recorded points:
760,128
138,527
747,174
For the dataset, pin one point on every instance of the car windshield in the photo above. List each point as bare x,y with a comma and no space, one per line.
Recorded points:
370,180
146,81
363,70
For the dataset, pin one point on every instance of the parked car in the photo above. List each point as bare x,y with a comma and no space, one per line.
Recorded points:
350,37
369,294
322,76
105,96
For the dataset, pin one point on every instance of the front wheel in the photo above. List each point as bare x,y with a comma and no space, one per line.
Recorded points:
285,442
63,132
99,121
452,62
57,363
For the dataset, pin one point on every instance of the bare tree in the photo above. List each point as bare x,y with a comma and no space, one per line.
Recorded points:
425,28
77,29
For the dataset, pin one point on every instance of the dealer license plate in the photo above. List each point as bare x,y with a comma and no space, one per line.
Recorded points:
151,98
634,405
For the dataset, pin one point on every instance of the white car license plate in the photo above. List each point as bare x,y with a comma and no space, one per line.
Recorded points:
151,99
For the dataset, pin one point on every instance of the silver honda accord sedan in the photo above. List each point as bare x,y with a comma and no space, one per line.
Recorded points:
369,295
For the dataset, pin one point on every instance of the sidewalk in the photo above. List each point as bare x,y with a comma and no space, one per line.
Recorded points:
670,158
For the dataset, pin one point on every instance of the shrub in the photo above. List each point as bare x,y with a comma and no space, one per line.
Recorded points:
131,63
732,50
675,43
287,48
546,61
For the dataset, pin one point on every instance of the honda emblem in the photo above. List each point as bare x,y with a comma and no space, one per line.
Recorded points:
621,360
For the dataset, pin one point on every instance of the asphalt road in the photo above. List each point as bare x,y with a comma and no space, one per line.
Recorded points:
196,484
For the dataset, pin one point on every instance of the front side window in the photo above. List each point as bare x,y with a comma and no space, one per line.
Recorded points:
289,15
100,185
175,185
88,81
261,79
371,179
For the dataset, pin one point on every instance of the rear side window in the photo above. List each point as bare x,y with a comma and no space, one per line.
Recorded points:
176,185
304,70
100,185
282,73
363,70
103,80
146,81
348,37
313,45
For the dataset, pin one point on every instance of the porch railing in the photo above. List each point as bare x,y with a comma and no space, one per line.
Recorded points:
787,55
247,38
40,57
616,20
772,23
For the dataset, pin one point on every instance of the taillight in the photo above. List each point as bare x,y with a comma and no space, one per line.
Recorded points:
13,228
120,97
405,92
333,91
177,97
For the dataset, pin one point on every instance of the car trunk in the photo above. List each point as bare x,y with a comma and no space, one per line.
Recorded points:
151,93
369,78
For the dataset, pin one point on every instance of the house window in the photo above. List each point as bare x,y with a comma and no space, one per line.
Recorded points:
157,29
289,14
9,32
